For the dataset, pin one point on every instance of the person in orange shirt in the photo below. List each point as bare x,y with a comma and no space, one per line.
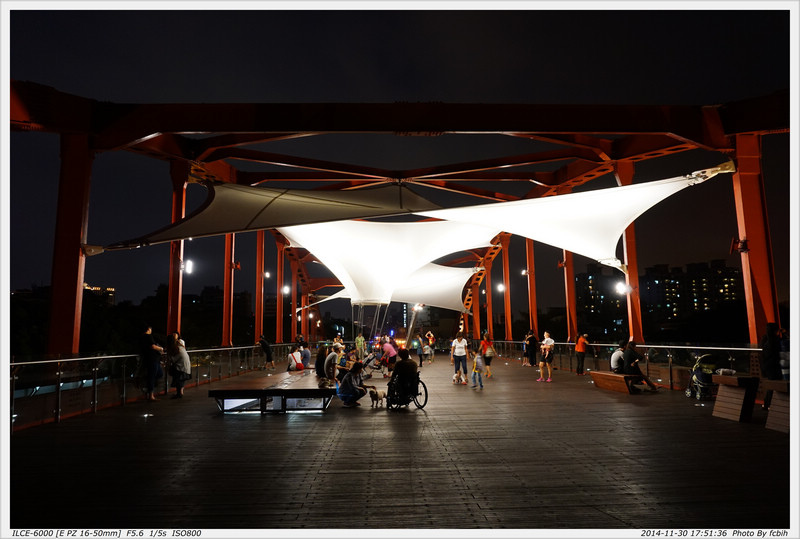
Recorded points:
580,352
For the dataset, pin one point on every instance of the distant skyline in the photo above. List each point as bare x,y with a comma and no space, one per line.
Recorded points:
383,56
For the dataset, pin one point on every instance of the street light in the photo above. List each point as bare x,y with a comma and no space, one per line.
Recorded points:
285,290
501,287
266,275
188,266
623,289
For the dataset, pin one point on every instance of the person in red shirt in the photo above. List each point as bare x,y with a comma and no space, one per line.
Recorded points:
580,352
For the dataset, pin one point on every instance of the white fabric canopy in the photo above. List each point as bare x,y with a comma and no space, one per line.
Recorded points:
433,285
588,223
373,259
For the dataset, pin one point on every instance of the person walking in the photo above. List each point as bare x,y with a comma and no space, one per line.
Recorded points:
458,356
487,352
547,358
180,366
580,353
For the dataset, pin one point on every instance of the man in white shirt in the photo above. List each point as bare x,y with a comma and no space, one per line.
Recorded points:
616,358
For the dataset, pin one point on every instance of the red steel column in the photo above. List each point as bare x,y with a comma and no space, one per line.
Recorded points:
259,314
751,214
293,317
179,173
504,242
476,309
488,278
531,274
624,174
279,292
304,312
68,257
227,305
569,288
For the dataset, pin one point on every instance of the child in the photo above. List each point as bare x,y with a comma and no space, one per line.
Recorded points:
427,353
477,369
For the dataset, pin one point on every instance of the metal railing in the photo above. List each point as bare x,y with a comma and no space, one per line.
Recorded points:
50,390
666,364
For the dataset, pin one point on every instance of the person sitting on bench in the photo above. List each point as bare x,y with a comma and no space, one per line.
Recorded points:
631,359
616,362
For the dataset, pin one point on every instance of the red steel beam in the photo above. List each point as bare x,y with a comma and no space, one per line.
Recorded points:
68,257
570,297
259,314
227,306
624,174
756,251
530,273
505,240
179,173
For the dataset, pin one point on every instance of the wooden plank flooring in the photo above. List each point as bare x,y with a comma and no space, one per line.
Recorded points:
515,455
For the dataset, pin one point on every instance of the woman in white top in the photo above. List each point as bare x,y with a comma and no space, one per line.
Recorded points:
180,365
458,356
547,358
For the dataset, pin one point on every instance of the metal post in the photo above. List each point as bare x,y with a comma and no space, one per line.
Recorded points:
58,393
94,385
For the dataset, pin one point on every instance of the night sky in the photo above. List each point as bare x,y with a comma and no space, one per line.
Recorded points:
524,56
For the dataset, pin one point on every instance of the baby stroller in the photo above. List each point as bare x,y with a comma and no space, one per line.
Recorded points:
398,394
700,381
373,362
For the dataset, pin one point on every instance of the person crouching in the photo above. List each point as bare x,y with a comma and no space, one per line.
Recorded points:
352,387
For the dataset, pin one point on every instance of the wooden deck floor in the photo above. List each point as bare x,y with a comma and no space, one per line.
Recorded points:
516,455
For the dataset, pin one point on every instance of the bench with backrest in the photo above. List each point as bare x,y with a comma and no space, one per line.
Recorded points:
778,413
616,382
279,393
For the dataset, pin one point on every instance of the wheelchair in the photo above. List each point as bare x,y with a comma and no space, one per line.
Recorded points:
403,394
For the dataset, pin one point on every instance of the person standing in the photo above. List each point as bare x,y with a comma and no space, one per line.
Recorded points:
361,346
265,347
180,364
389,353
418,340
531,343
427,353
478,365
580,353
547,358
487,353
150,353
458,356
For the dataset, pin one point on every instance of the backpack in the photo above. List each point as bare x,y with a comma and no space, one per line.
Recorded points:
489,351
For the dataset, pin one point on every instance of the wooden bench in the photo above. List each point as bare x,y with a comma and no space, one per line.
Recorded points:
778,414
615,382
735,397
292,391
